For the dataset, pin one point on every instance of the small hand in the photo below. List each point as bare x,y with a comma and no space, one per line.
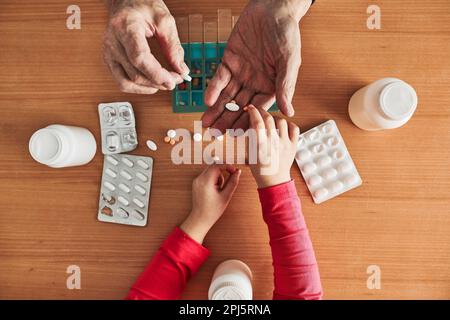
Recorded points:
277,146
210,197
260,62
126,49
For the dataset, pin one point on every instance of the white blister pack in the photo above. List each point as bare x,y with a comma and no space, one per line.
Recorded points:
118,127
125,189
325,162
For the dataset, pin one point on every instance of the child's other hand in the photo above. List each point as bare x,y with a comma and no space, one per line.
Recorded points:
211,194
275,150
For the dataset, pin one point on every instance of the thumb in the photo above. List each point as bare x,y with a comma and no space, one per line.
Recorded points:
285,83
168,39
231,184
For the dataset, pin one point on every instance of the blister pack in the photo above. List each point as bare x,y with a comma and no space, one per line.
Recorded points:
118,127
325,162
125,189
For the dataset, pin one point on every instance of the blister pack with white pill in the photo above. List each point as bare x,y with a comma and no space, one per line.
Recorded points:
125,189
118,127
325,162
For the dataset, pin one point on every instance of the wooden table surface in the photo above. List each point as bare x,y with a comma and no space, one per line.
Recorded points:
399,219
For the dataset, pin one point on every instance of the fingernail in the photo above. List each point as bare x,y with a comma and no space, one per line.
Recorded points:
291,111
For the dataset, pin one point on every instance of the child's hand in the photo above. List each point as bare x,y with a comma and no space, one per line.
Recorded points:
210,197
276,150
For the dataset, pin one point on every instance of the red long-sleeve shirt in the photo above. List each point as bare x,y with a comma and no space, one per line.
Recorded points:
296,275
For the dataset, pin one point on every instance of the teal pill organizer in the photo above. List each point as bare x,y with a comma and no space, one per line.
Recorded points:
203,60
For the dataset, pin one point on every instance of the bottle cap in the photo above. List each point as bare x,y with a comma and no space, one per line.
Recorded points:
45,146
231,281
398,100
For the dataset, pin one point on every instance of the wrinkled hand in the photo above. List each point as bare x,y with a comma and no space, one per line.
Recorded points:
211,193
277,145
126,48
260,63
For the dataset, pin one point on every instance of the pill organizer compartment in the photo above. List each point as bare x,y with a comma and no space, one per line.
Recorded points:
125,189
117,123
325,162
203,60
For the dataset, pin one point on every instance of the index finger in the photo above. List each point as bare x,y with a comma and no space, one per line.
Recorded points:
140,56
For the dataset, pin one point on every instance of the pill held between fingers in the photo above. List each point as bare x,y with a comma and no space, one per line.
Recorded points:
125,174
138,215
197,137
138,202
109,185
141,176
123,201
186,77
112,160
171,133
152,145
128,162
111,173
124,188
142,164
139,189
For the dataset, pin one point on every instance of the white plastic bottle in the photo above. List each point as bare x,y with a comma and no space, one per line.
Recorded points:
232,280
384,104
60,146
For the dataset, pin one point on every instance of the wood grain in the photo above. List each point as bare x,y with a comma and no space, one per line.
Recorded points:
399,219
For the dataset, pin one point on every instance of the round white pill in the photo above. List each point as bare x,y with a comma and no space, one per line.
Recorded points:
127,162
338,154
336,186
309,167
138,215
125,174
318,148
320,193
123,201
142,164
312,135
141,176
344,167
315,180
112,160
171,133
121,212
139,189
324,161
232,106
303,155
152,145
332,141
197,137
111,173
138,202
124,188
109,185
330,173
350,179
327,128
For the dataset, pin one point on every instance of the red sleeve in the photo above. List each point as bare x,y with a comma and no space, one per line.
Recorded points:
166,275
296,274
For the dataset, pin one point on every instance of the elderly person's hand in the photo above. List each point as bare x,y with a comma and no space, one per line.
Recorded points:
260,63
126,49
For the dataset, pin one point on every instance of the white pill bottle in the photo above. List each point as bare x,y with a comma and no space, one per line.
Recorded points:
232,280
384,104
60,146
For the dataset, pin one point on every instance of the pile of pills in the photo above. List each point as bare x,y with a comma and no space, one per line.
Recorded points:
170,137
